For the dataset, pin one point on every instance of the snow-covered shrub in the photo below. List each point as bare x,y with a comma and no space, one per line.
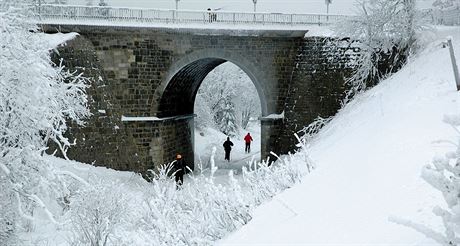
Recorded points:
444,175
308,135
201,211
8,213
197,213
95,214
37,99
266,179
385,31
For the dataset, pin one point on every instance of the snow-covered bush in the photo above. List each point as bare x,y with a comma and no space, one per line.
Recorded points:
385,31
96,212
201,211
444,175
8,213
37,99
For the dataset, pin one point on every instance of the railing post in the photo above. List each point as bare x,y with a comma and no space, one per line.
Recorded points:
454,63
292,23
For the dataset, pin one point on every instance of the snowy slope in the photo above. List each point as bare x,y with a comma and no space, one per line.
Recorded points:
369,161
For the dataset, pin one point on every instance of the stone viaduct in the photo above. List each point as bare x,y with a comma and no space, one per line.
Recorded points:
144,82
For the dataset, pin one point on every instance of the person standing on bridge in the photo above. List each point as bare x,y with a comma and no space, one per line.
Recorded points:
228,147
248,140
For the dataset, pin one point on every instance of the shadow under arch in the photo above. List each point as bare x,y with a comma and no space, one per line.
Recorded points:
178,91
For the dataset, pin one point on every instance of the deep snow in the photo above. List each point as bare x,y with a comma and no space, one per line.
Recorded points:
369,161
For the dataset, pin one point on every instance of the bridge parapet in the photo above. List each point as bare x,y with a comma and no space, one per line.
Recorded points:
113,16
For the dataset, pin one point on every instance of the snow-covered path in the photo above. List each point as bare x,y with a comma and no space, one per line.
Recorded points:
369,163
238,158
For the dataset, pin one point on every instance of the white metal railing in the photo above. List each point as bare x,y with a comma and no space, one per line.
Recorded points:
114,15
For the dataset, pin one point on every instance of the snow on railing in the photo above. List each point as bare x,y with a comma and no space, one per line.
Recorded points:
75,14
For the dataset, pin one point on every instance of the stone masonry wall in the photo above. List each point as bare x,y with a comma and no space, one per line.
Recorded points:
317,87
132,73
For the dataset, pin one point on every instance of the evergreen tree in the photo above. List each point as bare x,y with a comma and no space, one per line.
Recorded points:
228,122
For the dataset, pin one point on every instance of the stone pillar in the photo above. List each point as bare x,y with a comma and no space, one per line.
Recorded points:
271,130
169,137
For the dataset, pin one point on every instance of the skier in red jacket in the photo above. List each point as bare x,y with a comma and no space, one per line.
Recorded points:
247,140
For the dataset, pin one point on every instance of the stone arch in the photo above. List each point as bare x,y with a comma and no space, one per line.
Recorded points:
176,94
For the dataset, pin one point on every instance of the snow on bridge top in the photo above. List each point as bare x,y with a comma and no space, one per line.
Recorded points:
161,18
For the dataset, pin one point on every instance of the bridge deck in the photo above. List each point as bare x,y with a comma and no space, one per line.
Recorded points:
115,16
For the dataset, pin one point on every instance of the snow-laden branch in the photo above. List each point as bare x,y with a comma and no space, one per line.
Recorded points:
74,176
38,99
5,169
438,237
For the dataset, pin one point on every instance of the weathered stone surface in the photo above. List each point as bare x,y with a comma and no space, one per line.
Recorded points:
150,72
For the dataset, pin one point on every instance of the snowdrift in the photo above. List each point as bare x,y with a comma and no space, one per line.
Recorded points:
369,160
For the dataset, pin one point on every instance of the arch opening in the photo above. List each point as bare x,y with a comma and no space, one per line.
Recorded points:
179,99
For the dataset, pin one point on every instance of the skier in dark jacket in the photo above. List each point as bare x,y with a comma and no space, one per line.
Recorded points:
228,147
179,167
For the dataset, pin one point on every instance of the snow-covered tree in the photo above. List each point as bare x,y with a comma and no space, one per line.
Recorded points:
204,117
246,101
227,83
103,3
444,175
228,122
385,34
37,99
446,4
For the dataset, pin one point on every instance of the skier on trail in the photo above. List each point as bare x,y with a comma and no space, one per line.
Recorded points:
228,147
179,167
247,140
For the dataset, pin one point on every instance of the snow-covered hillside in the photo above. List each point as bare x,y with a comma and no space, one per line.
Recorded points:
369,160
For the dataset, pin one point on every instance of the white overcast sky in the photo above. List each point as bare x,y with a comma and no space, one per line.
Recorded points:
283,6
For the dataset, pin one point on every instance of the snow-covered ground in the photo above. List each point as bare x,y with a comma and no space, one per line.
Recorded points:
369,160
206,139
